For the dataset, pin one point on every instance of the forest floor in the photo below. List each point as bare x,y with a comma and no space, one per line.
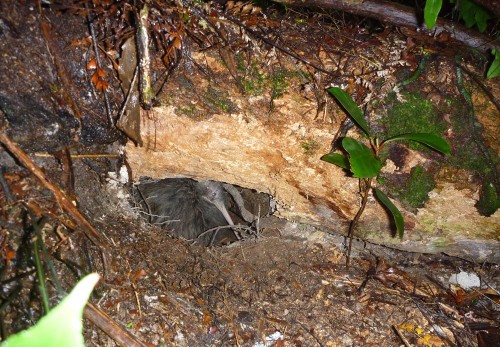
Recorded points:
287,287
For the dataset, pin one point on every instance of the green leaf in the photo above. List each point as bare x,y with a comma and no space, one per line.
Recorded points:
473,14
436,142
431,11
466,9
364,163
351,107
398,217
494,70
62,326
481,18
337,159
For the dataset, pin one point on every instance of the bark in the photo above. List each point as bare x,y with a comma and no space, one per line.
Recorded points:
400,15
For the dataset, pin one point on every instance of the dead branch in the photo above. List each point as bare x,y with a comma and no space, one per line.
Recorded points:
69,87
400,15
63,200
81,156
121,336
111,120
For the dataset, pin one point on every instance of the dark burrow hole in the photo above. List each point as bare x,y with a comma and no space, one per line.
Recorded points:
208,213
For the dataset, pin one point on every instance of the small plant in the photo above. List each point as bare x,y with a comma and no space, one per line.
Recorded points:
218,101
364,163
471,13
278,83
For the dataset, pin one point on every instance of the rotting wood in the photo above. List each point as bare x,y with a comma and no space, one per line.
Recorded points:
142,41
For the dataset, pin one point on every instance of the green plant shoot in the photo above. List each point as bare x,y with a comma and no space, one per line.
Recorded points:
398,217
494,70
363,162
431,12
473,14
351,108
62,326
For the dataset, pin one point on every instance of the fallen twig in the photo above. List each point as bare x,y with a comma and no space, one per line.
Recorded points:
64,202
121,336
98,61
81,156
69,87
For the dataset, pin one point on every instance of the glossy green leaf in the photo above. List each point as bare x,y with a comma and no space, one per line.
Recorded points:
364,163
351,107
434,141
398,217
494,70
337,159
62,326
431,12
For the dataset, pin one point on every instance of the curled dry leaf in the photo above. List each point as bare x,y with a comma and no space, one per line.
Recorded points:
86,41
98,80
101,72
92,64
94,79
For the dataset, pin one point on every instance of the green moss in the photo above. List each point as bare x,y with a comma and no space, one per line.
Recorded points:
310,147
414,115
278,83
418,186
488,202
382,180
218,101
189,111
440,242
471,153
255,81
413,189
252,80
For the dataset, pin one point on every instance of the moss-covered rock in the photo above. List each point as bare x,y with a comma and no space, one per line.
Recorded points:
412,190
418,186
413,115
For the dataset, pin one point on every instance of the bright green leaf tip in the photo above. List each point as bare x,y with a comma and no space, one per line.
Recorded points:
396,214
431,12
434,141
350,106
494,70
62,326
337,159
